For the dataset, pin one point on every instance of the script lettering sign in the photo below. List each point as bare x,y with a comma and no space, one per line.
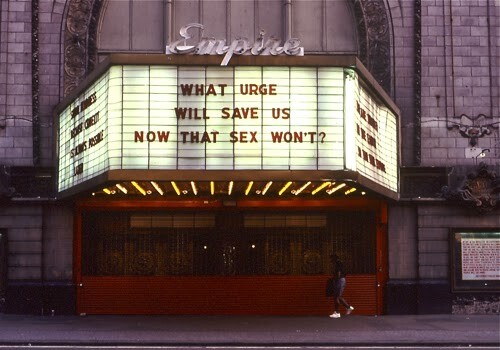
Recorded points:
239,46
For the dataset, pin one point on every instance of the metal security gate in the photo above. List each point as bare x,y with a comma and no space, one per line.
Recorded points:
222,262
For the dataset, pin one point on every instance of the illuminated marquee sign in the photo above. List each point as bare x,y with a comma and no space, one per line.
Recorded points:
227,118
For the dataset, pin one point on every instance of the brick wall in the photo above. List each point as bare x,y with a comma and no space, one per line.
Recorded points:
402,242
18,79
31,229
434,224
402,15
24,232
459,77
58,242
40,258
50,71
15,83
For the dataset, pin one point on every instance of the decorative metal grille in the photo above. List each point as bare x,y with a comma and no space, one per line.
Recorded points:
152,244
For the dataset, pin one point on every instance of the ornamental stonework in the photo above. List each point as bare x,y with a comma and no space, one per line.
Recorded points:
480,191
80,40
80,53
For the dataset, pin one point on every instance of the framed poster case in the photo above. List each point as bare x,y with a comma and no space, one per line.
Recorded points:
475,260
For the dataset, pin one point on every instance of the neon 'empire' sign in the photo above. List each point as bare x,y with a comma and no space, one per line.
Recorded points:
239,46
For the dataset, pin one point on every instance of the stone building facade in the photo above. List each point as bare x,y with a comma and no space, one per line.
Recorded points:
438,60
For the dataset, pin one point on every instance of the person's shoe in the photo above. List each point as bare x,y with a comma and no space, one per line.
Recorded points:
335,315
349,310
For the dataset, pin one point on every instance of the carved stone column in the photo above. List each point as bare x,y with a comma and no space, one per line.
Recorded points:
80,51
374,39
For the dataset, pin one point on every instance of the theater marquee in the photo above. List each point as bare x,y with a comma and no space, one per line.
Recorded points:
173,117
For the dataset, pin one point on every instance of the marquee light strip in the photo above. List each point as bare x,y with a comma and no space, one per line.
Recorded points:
266,187
285,188
350,191
157,188
336,188
328,185
193,186
176,189
121,188
249,188
139,188
322,186
302,188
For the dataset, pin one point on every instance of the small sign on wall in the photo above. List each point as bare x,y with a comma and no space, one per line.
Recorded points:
475,260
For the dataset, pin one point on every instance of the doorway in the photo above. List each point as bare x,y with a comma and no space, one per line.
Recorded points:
224,261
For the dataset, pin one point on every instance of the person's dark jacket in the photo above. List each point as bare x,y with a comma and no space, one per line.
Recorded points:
339,270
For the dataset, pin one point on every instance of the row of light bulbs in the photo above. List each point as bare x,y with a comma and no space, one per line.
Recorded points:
331,187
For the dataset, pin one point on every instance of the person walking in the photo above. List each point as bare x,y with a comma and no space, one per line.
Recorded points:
340,283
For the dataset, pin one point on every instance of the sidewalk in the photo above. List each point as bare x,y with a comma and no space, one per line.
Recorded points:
251,330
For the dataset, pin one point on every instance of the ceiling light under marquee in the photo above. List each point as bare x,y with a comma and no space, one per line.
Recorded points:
267,187
249,188
176,189
336,188
302,188
284,188
320,187
193,186
349,191
121,188
138,187
157,188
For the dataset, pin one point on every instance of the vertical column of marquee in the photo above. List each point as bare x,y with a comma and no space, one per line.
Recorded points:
247,115
392,150
96,130
369,135
303,116
330,118
351,138
387,147
135,117
191,117
276,119
82,148
368,107
64,149
219,152
115,117
374,129
162,117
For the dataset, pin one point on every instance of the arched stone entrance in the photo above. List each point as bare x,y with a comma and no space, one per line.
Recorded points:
82,17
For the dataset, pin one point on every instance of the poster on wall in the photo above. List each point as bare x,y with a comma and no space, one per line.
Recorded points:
475,260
